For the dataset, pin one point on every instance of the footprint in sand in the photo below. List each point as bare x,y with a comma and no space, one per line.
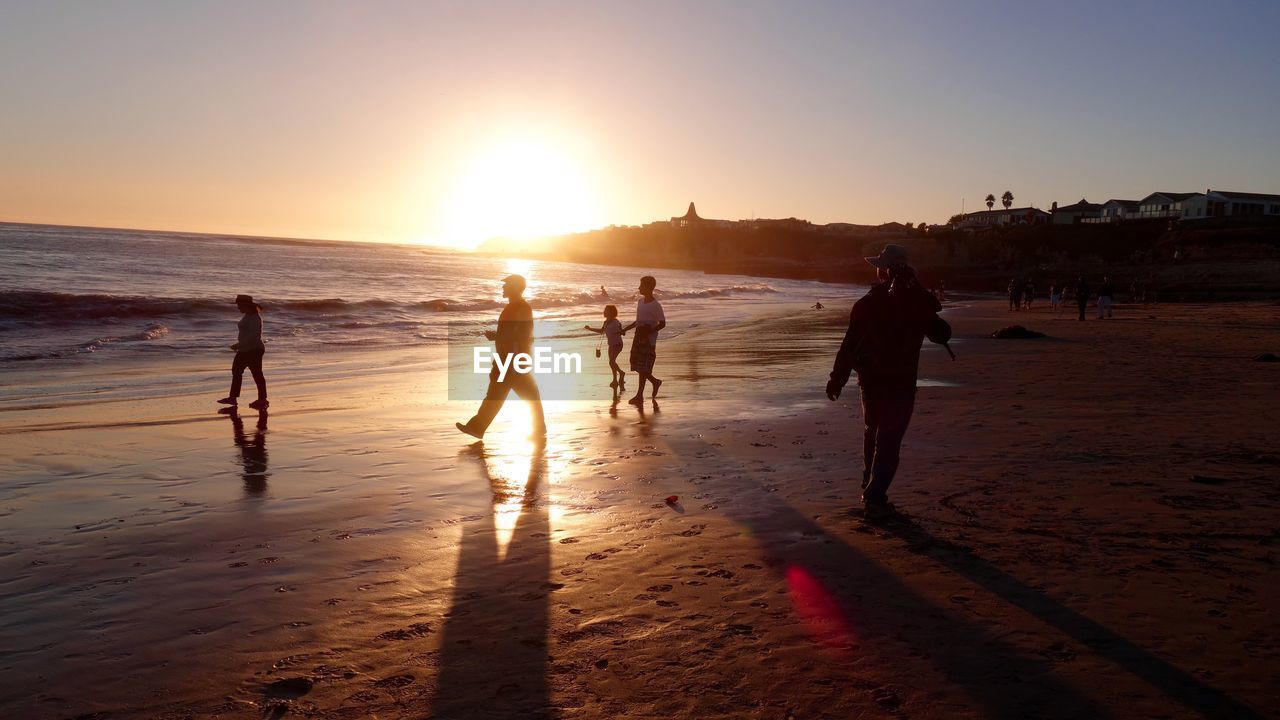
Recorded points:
413,631
569,540
289,688
395,681
886,698
659,588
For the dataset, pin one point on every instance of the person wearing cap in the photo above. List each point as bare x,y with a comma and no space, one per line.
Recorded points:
249,351
886,329
514,336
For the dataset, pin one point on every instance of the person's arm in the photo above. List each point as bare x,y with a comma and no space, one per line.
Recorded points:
594,330
662,320
625,329
849,348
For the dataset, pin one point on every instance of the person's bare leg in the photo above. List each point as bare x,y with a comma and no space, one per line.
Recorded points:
639,397
656,384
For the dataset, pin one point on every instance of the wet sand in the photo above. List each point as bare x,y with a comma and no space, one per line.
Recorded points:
1089,531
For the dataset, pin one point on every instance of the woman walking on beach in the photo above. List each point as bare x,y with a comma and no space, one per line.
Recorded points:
249,351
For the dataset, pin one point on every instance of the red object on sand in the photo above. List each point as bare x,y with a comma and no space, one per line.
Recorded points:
673,499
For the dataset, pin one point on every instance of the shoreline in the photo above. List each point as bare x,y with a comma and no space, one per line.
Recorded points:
368,561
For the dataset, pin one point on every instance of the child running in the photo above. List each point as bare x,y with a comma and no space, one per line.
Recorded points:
612,330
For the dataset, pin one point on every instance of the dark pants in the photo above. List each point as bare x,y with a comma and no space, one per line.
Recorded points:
1082,306
251,359
525,387
885,415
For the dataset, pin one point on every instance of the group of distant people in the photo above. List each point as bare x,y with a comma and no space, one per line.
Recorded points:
886,329
515,335
1021,293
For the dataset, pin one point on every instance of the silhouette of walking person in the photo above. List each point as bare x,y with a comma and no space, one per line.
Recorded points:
886,329
513,336
249,351
253,451
1082,296
644,345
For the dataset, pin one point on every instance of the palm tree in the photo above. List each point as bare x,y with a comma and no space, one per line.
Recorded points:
1007,199
990,201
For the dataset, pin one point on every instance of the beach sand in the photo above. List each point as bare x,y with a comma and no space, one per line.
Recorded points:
1089,530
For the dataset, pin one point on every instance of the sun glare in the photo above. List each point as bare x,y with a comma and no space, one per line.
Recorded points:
520,190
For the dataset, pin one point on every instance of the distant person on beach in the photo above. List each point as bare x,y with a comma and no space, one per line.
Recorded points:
612,331
604,295
886,329
1055,295
644,345
818,306
1106,295
1015,294
1028,292
249,351
1082,296
514,336
941,292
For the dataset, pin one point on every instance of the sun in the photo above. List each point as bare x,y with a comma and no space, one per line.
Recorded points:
520,189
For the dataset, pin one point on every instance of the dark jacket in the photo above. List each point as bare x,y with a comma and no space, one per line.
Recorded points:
515,329
885,332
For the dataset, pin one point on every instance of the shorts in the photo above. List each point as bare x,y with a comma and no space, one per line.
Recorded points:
643,354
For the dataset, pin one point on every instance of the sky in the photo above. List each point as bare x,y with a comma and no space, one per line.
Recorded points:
449,122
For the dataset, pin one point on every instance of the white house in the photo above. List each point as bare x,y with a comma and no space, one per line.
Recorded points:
1115,211
1223,203
1162,205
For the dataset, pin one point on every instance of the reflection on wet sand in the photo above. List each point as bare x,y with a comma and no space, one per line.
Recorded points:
493,653
253,451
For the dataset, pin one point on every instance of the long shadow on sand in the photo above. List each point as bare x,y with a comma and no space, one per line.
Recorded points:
882,610
1168,679
493,653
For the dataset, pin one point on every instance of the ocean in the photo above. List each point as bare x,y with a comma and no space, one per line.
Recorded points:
84,311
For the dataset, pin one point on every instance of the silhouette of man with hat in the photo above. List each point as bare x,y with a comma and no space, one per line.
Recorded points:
514,336
886,328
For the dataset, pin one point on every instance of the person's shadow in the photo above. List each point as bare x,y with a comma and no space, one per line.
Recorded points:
493,650
863,600
253,450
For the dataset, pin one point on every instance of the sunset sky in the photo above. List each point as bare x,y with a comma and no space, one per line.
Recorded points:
449,122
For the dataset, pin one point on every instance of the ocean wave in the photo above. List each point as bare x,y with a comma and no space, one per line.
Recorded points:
57,307
720,292
45,307
154,331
